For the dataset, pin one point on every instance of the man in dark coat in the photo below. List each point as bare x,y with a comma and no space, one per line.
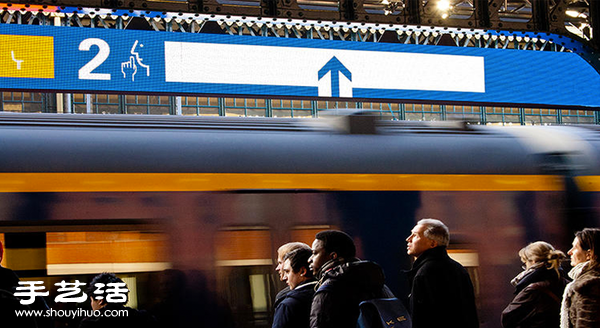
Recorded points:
441,290
344,281
294,310
281,252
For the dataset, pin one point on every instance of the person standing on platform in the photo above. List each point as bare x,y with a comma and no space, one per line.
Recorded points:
581,299
539,289
343,281
441,290
294,310
281,252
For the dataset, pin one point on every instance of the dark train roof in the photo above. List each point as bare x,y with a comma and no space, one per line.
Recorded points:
170,144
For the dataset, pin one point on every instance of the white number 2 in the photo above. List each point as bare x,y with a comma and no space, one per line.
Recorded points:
85,73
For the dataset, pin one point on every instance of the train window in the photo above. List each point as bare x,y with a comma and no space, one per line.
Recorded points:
245,272
132,300
243,247
100,251
470,260
258,288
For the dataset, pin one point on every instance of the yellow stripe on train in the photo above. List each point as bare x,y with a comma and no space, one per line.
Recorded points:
130,182
27,56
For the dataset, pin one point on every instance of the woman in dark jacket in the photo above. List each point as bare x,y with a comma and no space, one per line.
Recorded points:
538,289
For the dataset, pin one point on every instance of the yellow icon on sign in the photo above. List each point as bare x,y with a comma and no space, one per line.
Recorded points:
27,56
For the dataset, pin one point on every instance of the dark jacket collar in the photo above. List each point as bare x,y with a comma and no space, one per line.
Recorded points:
537,275
432,254
363,275
304,290
307,283
332,264
439,252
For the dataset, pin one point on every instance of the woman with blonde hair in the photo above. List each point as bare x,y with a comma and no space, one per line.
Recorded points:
538,288
581,300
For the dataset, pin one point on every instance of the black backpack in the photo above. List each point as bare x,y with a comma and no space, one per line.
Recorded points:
383,313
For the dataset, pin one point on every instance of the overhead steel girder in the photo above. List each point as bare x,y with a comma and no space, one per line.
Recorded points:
570,18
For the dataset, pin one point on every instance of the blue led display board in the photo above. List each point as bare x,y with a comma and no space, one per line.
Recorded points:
97,60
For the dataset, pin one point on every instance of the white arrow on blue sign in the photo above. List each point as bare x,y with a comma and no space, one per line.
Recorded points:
336,68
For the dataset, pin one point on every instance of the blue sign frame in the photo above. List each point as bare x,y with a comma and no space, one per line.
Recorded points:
96,60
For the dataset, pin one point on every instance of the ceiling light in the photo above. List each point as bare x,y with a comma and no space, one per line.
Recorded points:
576,14
443,5
572,13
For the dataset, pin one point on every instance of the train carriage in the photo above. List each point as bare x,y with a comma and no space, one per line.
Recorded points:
215,197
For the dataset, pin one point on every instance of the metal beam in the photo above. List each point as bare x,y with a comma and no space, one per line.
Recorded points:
516,15
499,15
595,24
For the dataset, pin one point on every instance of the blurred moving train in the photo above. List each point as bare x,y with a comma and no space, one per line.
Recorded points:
82,194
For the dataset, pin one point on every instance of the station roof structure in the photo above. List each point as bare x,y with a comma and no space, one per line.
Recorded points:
576,19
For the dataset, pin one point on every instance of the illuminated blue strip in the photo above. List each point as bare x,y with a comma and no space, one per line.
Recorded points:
122,61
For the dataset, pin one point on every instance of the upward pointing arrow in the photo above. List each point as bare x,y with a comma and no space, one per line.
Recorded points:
335,67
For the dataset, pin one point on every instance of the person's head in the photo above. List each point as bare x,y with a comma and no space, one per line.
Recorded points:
427,234
295,267
541,252
331,245
283,250
585,246
102,291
